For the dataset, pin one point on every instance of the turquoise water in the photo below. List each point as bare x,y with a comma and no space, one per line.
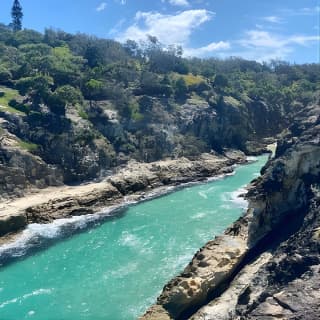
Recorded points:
116,270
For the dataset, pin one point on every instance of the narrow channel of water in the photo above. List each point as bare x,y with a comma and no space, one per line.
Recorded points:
116,270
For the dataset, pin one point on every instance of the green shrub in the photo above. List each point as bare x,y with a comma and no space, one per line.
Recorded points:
31,147
83,114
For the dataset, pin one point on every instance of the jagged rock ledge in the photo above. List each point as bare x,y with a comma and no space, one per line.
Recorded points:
283,208
132,181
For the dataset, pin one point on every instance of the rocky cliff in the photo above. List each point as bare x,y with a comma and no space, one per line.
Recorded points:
266,265
74,149
21,170
129,183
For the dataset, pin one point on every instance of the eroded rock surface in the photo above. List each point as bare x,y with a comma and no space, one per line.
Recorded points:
209,269
275,275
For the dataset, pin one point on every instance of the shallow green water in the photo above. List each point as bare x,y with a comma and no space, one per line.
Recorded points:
116,270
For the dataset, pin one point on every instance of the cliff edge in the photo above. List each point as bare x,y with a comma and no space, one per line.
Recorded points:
266,265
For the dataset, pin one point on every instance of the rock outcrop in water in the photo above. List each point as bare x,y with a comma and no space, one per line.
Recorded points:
272,270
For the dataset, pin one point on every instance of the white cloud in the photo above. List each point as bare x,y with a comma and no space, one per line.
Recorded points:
272,19
307,11
310,11
263,45
169,29
180,3
303,40
207,50
258,38
117,27
101,7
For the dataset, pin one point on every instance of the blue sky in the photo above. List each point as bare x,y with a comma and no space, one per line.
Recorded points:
252,29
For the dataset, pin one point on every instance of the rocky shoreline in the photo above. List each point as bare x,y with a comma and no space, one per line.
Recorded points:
130,183
266,265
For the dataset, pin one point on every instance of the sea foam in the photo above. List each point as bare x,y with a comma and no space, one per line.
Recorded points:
36,234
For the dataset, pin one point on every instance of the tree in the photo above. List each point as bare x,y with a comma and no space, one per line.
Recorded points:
5,74
181,88
64,96
221,81
37,87
17,14
95,90
145,104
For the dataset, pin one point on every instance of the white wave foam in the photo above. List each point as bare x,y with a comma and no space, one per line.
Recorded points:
2,305
236,198
221,176
35,233
37,293
252,159
128,239
123,271
26,296
202,194
198,216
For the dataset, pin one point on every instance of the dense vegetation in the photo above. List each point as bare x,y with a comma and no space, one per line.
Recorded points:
75,92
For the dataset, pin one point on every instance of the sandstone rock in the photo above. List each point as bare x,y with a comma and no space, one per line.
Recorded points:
209,269
132,181
283,219
86,202
156,312
20,171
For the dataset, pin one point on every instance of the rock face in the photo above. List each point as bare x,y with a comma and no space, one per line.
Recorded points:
204,276
70,144
273,272
20,170
86,144
230,123
281,283
87,201
12,223
132,181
